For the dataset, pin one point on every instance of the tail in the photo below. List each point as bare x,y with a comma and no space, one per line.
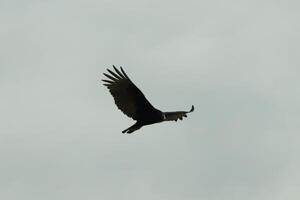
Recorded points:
132,128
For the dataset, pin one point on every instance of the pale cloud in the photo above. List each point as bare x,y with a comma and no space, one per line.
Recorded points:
237,62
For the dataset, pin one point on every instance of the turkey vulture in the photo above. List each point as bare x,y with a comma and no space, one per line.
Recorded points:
132,102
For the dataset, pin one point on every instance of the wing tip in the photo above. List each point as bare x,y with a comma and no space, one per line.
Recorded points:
121,73
115,67
192,109
122,70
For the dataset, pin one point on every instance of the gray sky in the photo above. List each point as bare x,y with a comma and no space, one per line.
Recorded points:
236,61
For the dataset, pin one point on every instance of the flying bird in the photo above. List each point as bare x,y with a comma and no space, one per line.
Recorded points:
132,102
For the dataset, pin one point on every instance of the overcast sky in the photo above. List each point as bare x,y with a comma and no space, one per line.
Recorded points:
236,61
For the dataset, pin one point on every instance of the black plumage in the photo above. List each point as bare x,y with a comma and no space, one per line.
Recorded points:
132,102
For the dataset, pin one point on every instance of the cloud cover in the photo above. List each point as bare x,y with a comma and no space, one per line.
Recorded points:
236,61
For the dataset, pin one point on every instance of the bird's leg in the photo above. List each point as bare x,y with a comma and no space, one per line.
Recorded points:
132,128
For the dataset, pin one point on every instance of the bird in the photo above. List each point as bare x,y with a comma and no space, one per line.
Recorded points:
133,103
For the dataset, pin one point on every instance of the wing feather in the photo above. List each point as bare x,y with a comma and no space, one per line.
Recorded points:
114,74
110,77
174,116
128,98
120,74
124,73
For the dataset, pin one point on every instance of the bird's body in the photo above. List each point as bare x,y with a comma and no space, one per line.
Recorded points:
132,102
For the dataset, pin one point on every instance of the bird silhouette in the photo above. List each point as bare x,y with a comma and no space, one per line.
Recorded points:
132,102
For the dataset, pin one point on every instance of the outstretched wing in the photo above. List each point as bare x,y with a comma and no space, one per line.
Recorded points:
174,116
128,98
